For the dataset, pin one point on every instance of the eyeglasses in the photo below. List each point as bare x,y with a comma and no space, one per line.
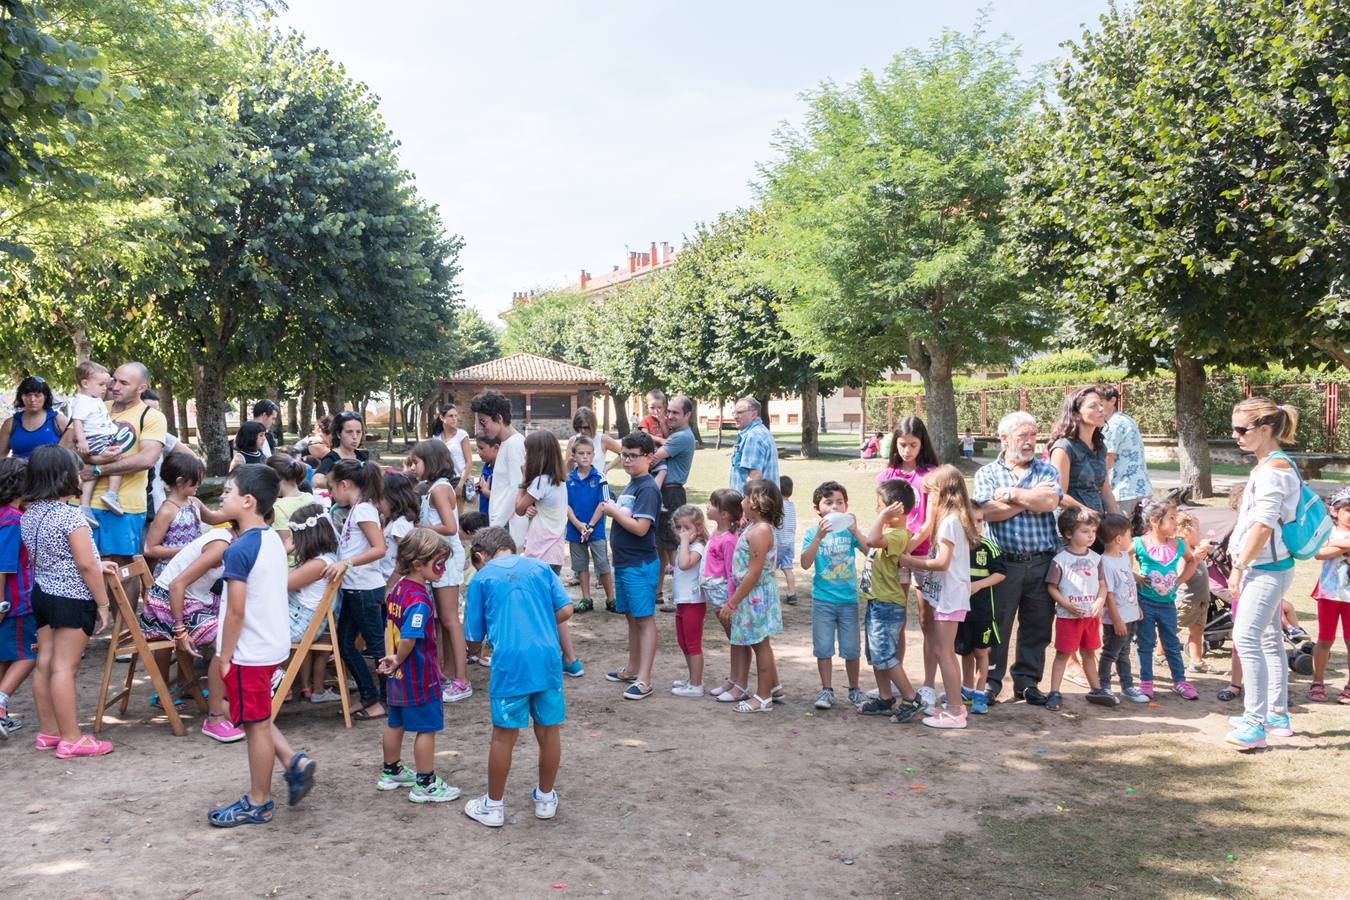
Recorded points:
740,412
632,455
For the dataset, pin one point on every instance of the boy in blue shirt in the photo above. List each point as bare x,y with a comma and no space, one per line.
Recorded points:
487,452
637,568
828,550
586,523
517,604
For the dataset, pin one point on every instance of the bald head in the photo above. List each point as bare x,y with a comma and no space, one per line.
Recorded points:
127,383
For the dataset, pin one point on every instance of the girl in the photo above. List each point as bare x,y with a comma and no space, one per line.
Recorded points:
446,427
348,433
584,424
316,566
946,587
360,487
542,498
250,445
432,466
178,522
401,510
724,508
912,458
1264,566
17,631
690,609
70,601
292,473
1164,561
1332,594
752,611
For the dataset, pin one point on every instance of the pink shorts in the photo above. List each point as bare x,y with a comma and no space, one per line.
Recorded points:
1329,613
689,627
954,616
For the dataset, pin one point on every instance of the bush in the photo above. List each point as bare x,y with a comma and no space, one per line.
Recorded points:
1062,363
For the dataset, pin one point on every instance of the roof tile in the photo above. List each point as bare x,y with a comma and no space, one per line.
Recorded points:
525,368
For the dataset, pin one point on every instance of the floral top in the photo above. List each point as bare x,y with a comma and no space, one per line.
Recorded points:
1129,473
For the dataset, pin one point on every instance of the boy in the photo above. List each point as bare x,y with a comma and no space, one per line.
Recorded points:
828,549
637,567
518,604
586,489
886,587
1074,582
1193,593
787,539
254,638
492,417
979,630
413,689
91,433
487,452
1121,615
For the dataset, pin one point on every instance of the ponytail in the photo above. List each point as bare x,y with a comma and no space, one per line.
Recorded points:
367,477
1290,424
1282,418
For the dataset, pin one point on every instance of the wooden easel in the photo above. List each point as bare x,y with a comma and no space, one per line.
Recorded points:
300,654
127,638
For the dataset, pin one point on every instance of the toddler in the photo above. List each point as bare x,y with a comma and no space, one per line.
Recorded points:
828,550
92,432
1164,561
1120,617
1074,581
690,608
725,511
786,536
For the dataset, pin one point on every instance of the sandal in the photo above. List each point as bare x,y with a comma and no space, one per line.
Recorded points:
717,692
735,695
241,812
1232,692
363,714
777,694
585,604
1317,692
1344,695
757,705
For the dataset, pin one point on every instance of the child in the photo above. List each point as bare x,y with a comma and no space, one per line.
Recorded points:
752,610
178,521
1332,594
487,452
786,536
725,510
946,587
316,565
253,639
1163,561
690,608
1193,593
18,634
292,473
1074,581
586,489
979,630
827,550
542,499
359,487
414,675
433,467
518,604
401,509
636,564
69,599
1120,617
92,431
886,588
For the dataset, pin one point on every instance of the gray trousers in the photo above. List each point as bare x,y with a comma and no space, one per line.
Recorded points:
1022,596
1116,654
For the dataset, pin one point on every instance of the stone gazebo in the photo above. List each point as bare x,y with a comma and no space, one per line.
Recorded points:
544,393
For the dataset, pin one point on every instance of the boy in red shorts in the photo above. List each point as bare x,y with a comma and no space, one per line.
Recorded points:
253,639
1074,581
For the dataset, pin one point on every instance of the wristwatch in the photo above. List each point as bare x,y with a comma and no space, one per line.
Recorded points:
1004,494
95,470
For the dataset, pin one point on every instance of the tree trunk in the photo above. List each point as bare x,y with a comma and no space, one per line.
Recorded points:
334,400
429,407
764,410
810,420
166,406
693,424
212,437
721,404
273,392
621,423
1192,439
80,339
293,418
935,366
393,406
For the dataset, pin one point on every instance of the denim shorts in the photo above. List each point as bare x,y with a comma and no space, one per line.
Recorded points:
885,626
635,589
829,620
419,719
544,707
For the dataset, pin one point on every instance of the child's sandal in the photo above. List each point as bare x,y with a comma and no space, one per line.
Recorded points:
755,705
736,694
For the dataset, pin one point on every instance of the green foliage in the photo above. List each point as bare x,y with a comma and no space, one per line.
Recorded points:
555,324
1063,361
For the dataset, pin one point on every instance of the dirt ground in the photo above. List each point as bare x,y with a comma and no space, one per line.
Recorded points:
676,797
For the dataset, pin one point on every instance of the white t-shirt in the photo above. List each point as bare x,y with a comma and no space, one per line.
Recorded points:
1271,499
455,444
551,502
310,595
949,591
199,590
454,566
685,582
394,532
258,559
1078,579
157,493
93,413
1119,575
506,477
352,542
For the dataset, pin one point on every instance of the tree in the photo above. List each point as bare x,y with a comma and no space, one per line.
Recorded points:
554,324
1181,200
887,215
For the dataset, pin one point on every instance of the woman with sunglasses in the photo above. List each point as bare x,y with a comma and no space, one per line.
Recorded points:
1262,569
35,424
348,433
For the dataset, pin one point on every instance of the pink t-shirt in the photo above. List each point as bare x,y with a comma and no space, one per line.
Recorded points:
914,521
717,561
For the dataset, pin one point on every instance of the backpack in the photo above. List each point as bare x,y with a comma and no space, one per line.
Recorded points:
1305,534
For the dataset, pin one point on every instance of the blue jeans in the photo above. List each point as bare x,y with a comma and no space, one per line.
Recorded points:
831,619
1260,645
1160,621
1116,655
884,628
362,613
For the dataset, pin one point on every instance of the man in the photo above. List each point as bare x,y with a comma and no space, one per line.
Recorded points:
1018,494
492,415
678,454
141,435
1124,454
267,412
756,453
654,422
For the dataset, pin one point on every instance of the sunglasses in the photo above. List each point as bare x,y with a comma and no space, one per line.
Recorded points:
1241,430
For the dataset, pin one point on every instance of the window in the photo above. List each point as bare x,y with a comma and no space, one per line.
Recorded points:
793,418
551,406
517,406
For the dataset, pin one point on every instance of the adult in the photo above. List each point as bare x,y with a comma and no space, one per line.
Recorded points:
492,417
1018,495
266,413
141,435
456,440
585,424
1078,452
1124,454
756,453
1263,568
346,437
678,454
655,422
34,424
171,445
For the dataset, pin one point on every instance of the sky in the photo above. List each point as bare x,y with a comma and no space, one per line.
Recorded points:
555,136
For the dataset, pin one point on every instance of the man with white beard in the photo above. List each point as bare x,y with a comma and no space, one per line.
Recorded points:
1018,494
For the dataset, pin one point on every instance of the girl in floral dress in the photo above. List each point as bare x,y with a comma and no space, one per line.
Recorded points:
752,610
179,519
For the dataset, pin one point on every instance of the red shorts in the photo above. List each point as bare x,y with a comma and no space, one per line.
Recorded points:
249,692
1072,635
689,627
1330,612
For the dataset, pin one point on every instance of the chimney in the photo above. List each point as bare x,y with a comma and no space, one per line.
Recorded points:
632,262
665,252
585,277
655,260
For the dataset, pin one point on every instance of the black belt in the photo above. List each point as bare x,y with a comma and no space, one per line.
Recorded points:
668,484
1026,557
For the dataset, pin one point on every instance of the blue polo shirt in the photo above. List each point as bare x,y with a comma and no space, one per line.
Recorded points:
512,601
583,497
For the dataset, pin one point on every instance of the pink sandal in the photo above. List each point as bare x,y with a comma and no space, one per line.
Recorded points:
46,741
87,745
1317,692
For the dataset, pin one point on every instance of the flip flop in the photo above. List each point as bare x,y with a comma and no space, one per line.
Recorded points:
363,715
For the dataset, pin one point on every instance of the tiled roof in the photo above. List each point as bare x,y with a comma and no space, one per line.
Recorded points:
525,368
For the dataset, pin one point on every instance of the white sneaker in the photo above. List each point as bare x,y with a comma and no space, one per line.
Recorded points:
688,690
495,817
328,696
451,695
929,697
110,500
544,807
680,682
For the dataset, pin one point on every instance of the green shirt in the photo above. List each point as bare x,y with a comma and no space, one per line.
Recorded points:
881,579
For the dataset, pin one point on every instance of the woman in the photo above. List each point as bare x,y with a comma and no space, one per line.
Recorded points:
456,440
35,424
348,433
249,445
1263,567
1078,452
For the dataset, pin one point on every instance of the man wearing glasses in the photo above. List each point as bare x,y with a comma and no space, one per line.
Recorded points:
756,453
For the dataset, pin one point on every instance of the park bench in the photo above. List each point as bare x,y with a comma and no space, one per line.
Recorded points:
1312,464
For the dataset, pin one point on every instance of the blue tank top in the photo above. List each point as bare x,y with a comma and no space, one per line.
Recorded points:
23,442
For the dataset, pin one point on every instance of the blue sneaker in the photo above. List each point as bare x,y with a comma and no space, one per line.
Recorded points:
299,777
1279,726
574,669
967,694
1248,737
241,812
979,703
